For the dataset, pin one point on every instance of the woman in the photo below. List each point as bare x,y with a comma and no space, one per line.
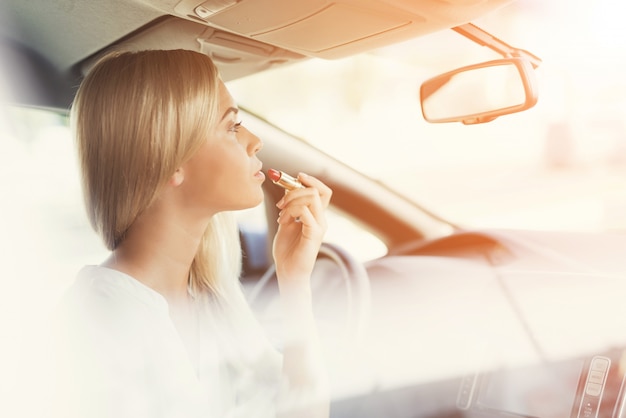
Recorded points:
161,328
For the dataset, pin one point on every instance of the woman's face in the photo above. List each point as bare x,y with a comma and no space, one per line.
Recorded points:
225,173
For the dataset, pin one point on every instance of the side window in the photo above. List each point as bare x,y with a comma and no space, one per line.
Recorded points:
353,237
45,232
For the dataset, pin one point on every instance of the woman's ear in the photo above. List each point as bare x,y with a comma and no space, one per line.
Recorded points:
177,178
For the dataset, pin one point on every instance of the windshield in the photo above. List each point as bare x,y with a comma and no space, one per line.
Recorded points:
559,165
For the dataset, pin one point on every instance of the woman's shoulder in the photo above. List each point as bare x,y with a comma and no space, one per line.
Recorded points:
96,284
110,301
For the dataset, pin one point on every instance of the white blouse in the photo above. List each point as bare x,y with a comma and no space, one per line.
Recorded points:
121,356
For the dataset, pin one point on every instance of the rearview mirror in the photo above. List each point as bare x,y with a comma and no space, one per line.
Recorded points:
480,93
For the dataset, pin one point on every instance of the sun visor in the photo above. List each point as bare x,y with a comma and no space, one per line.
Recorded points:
333,29
235,55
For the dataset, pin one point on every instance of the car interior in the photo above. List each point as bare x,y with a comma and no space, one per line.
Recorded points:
446,321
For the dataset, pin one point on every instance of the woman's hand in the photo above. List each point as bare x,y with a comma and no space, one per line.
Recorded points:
302,224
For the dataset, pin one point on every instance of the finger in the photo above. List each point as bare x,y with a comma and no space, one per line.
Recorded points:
325,192
302,215
299,196
306,198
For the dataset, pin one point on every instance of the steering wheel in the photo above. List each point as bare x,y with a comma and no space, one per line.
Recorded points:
339,283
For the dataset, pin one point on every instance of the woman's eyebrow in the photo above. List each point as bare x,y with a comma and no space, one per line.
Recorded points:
229,110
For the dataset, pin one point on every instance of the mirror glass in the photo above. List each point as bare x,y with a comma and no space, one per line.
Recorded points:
479,93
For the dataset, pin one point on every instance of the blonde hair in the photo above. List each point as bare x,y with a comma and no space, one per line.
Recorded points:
137,117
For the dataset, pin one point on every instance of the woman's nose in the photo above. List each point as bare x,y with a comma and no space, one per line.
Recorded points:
254,142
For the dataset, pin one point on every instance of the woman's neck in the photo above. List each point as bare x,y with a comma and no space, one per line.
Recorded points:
158,250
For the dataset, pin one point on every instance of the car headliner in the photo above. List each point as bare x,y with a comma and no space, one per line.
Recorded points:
248,36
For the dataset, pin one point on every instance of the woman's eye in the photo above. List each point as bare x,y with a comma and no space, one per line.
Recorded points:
235,127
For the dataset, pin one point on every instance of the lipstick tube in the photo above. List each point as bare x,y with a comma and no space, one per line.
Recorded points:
284,180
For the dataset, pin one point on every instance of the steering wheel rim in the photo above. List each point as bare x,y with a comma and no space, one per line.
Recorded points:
358,292
357,284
